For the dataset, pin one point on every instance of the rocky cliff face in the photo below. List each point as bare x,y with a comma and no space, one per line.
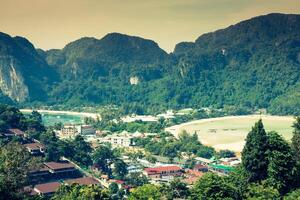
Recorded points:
24,74
11,81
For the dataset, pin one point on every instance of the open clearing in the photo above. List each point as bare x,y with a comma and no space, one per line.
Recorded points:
230,132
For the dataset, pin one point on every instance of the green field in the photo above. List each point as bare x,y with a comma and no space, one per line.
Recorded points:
230,132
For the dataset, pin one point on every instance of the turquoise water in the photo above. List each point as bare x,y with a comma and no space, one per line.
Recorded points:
51,119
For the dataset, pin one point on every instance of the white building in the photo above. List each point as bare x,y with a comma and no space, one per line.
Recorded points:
144,118
119,141
69,131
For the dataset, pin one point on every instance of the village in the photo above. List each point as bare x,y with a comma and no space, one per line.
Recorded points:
46,179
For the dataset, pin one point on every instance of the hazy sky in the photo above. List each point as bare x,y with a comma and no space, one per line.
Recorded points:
54,23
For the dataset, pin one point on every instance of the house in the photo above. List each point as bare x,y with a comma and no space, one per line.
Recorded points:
164,171
46,189
85,130
201,168
83,181
61,169
191,176
134,169
35,148
119,182
69,131
120,141
204,161
232,161
17,132
220,169
39,175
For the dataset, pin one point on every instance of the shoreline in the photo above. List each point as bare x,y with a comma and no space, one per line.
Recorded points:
174,129
237,145
82,114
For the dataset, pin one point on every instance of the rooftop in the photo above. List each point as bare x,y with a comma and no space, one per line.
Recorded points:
59,165
116,181
162,169
47,187
194,173
221,167
34,145
199,166
83,181
16,131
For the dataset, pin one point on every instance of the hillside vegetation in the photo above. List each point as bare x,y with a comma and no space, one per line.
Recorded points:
253,64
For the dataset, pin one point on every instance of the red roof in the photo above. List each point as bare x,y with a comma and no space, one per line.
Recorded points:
47,187
59,165
16,131
194,173
162,169
200,166
34,145
83,181
116,181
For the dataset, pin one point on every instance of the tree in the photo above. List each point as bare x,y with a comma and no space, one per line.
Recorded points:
170,151
113,188
212,187
296,138
34,122
12,117
176,189
51,142
295,195
15,164
146,192
136,179
151,159
120,169
239,179
82,192
262,192
282,164
254,158
226,154
82,151
206,152
103,157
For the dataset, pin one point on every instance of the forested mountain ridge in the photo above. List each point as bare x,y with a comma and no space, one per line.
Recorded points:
253,64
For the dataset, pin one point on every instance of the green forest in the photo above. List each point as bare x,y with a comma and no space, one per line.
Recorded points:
249,66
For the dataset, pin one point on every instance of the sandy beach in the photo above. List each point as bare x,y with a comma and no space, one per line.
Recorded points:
83,114
230,132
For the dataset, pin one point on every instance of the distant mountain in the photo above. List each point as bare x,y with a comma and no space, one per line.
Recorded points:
253,64
110,56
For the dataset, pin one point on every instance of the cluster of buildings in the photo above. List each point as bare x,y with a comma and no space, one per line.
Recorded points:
70,131
49,176
165,174
161,174
48,189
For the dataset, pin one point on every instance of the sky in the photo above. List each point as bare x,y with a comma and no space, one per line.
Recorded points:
54,23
